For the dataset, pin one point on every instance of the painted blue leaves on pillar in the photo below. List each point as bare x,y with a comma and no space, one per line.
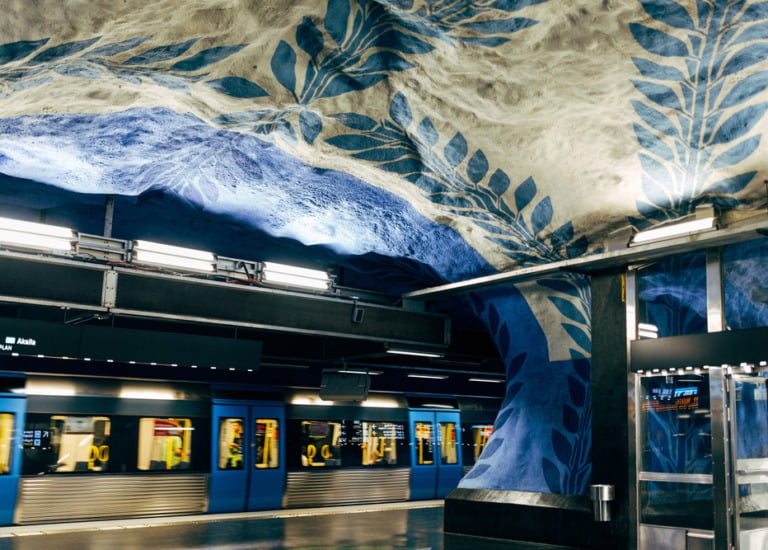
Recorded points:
693,123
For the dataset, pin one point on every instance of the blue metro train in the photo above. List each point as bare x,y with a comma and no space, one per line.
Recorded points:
74,449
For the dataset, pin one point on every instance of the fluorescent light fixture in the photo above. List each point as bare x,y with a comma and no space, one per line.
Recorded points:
35,235
146,394
415,351
437,406
148,252
487,380
674,230
289,275
428,376
645,330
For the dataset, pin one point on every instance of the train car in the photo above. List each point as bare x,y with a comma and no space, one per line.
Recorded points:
74,449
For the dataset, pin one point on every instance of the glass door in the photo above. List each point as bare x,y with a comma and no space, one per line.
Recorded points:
247,465
749,456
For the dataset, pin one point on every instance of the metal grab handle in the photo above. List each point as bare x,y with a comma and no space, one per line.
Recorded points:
602,495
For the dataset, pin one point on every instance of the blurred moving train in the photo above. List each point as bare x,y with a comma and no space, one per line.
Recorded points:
75,449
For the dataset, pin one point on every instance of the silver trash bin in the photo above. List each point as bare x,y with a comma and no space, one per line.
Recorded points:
602,495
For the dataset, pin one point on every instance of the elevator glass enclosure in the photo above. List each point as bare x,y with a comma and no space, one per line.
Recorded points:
702,459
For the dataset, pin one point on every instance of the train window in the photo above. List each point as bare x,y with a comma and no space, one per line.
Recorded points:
231,443
474,438
6,442
424,443
63,443
165,443
267,441
379,442
449,452
320,445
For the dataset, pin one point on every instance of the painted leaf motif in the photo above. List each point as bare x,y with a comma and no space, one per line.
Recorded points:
118,47
343,83
559,285
570,419
551,475
405,166
400,110
78,71
499,182
456,150
355,121
669,12
562,447
656,193
206,57
402,42
739,123
284,66
18,50
310,125
499,26
515,365
576,391
513,389
583,368
655,119
493,319
493,446
569,310
732,185
505,340
309,38
383,154
478,469
355,142
577,248
487,42
63,50
427,132
737,153
755,12
654,168
653,144
659,94
235,86
477,167
658,42
514,5
336,20
542,215
562,235
745,58
502,418
754,32
578,335
161,53
745,90
524,193
660,72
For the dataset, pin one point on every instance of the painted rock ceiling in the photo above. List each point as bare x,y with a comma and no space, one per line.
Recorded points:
464,135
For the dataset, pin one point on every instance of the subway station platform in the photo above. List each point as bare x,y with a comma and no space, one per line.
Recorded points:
413,525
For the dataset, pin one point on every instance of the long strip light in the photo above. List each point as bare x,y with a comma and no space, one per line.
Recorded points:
674,230
646,330
415,352
428,376
148,252
289,275
35,235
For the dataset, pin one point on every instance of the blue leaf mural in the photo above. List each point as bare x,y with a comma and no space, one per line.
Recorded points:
698,113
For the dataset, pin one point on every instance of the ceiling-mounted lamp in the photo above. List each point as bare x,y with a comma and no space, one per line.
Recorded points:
148,252
399,349
704,220
38,236
647,330
288,275
426,376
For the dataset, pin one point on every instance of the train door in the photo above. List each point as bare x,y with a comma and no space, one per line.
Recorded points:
247,465
435,457
12,409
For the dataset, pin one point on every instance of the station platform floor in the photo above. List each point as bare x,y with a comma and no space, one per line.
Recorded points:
412,525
